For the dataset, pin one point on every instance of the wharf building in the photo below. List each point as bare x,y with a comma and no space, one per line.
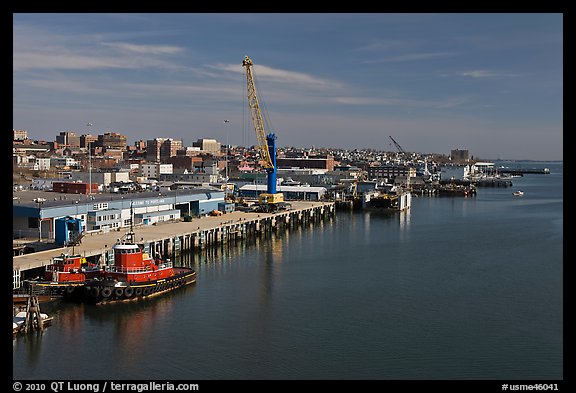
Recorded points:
36,213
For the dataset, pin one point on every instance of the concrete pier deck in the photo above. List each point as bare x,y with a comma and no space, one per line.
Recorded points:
196,233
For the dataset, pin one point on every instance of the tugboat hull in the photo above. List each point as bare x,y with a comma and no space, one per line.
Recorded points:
107,291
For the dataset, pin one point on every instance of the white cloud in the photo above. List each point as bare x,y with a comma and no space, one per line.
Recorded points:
487,74
145,49
269,74
37,49
401,102
412,57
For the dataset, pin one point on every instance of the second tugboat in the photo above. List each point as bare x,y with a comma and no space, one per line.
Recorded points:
134,275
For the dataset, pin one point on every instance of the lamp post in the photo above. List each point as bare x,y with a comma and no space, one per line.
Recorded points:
39,201
89,168
226,160
89,163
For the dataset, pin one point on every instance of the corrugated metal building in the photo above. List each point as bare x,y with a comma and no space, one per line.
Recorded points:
35,212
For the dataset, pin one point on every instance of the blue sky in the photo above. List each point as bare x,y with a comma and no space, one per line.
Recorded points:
488,82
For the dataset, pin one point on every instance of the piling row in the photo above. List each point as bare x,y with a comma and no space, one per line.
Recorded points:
240,230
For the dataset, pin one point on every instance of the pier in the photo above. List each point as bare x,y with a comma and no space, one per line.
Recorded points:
522,171
172,237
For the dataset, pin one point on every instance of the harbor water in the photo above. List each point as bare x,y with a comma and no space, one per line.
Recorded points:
454,288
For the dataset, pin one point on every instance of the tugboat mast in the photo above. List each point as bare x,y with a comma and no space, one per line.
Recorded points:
129,237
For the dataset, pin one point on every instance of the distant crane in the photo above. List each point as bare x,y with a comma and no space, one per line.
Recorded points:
400,149
265,143
402,152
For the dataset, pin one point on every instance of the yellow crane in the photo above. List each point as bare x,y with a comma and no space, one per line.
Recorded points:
256,114
265,143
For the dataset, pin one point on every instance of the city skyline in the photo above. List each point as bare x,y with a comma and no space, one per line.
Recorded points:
488,83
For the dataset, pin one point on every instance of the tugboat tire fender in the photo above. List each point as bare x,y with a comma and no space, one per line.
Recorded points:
146,291
138,291
119,292
129,291
94,291
69,289
106,292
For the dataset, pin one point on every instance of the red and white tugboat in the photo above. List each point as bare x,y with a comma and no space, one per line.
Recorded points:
66,276
135,274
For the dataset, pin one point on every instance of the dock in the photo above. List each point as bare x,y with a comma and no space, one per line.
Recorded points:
522,171
176,236
28,318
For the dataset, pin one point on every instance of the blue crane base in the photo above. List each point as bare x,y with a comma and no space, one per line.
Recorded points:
271,180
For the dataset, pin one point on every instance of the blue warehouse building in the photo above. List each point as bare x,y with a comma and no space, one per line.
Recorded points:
41,214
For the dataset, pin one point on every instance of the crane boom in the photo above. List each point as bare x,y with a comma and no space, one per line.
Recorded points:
257,119
398,146
266,144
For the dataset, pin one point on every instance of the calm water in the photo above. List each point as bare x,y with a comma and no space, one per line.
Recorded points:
457,288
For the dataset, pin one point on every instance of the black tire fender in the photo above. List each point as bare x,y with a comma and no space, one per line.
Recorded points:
106,292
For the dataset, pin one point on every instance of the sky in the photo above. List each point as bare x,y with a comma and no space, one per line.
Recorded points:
491,83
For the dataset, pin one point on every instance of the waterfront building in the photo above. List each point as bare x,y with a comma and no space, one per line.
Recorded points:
483,169
454,172
35,212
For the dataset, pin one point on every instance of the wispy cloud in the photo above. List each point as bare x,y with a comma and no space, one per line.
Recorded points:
487,74
412,57
36,49
382,45
145,49
269,74
402,102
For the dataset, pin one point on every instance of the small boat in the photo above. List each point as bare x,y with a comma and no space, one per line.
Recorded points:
134,275
30,318
19,321
518,193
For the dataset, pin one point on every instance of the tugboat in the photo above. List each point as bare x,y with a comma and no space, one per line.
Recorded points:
65,276
134,275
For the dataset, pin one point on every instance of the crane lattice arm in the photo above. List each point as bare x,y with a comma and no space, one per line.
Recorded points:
257,115
398,146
